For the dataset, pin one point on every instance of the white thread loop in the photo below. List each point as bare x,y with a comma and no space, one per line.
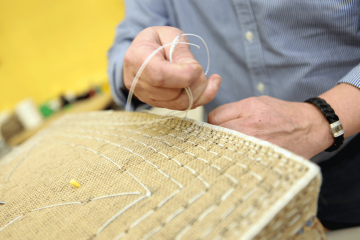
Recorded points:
172,50
136,79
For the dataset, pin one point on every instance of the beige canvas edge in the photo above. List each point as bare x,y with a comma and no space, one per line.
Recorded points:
314,171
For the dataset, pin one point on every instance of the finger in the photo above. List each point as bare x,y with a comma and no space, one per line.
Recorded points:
196,89
183,101
224,113
212,87
162,73
203,91
168,35
181,51
239,126
234,124
158,94
142,96
159,72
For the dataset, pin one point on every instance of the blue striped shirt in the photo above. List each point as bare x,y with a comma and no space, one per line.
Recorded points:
290,50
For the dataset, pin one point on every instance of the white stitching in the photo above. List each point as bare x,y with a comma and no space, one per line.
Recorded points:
191,201
98,139
172,216
227,194
256,175
183,232
118,214
167,199
231,178
11,222
115,195
141,218
61,204
150,234
206,212
228,212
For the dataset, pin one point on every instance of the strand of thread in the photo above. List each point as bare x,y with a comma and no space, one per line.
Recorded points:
172,50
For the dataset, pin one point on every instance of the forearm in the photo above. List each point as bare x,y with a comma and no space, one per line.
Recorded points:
345,100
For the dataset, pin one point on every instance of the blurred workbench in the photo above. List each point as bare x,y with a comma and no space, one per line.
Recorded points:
96,103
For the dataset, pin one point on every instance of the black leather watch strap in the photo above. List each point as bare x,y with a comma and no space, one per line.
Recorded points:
335,125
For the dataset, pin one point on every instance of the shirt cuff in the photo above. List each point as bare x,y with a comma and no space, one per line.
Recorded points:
353,77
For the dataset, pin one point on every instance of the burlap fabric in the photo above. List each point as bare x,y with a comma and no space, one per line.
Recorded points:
148,178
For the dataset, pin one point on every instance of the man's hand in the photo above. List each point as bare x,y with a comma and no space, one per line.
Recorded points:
161,83
298,127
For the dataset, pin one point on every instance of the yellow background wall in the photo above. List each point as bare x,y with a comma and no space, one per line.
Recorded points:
48,47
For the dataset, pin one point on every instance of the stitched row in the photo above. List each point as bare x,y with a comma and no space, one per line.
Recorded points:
202,216
177,127
229,211
212,165
118,145
166,175
246,143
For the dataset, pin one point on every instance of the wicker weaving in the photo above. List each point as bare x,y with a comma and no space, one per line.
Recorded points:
145,179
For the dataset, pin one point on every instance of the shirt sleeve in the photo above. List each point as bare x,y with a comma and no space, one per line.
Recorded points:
353,77
140,14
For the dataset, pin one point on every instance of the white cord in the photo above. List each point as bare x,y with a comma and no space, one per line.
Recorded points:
136,79
172,50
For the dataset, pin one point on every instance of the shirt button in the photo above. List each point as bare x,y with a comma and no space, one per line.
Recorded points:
260,87
249,36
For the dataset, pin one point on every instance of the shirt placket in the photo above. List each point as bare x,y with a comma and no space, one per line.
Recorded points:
253,48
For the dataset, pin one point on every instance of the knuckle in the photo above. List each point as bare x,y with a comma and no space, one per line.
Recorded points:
174,94
127,83
181,104
211,117
194,73
151,97
127,58
250,102
264,97
139,97
184,106
156,77
208,97
157,81
252,99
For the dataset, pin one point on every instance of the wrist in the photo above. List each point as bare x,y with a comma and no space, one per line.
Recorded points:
319,136
334,122
344,99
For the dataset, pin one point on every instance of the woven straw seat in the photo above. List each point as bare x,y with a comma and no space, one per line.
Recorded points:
145,179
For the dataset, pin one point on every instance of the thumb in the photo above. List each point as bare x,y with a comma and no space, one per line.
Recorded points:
212,87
